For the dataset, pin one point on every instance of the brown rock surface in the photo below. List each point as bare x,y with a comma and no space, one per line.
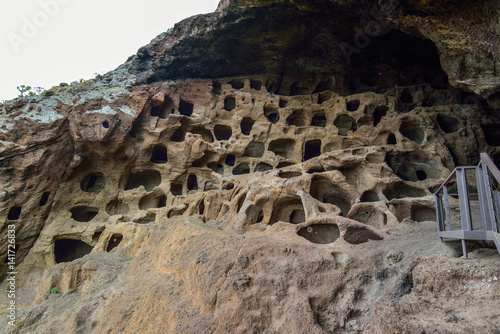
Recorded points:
208,185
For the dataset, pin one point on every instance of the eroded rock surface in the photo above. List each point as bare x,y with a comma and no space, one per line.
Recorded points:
279,189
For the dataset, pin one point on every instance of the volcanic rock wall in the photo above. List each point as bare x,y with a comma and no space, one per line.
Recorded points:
297,152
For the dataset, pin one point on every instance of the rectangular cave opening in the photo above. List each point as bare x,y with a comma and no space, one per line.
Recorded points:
67,250
186,108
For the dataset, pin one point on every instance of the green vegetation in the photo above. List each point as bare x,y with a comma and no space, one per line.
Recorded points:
23,89
54,290
48,93
63,84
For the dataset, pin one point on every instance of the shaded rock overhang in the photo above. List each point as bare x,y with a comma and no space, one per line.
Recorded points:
308,37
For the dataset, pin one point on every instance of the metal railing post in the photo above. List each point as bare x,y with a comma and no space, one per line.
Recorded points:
463,197
447,208
483,191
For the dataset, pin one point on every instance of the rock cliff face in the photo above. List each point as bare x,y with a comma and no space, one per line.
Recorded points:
265,168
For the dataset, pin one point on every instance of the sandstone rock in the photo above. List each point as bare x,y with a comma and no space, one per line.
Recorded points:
239,175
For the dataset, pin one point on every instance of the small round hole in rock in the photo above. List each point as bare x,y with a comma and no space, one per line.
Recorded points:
105,124
391,139
14,213
44,199
421,175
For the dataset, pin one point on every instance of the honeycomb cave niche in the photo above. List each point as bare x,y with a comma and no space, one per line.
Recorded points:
83,214
320,233
93,183
149,179
114,242
67,250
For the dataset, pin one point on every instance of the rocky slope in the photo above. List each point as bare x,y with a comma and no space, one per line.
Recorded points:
265,168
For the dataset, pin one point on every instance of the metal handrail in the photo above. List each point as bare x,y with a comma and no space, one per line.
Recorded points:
489,204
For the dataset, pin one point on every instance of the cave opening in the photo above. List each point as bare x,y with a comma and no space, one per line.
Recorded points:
149,179
83,214
237,83
241,169
114,242
345,123
67,250
492,134
283,147
254,214
256,84
254,150
229,103
230,160
288,210
93,183
326,191
186,108
178,135
312,149
297,118
448,124
320,233
192,182
176,188
204,133
159,155
319,120
263,167
271,114
352,105
44,199
116,207
167,107
14,213
246,125
378,113
222,132
369,196
412,130
153,200
396,59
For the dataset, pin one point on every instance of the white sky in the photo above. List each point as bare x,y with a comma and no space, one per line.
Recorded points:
75,39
